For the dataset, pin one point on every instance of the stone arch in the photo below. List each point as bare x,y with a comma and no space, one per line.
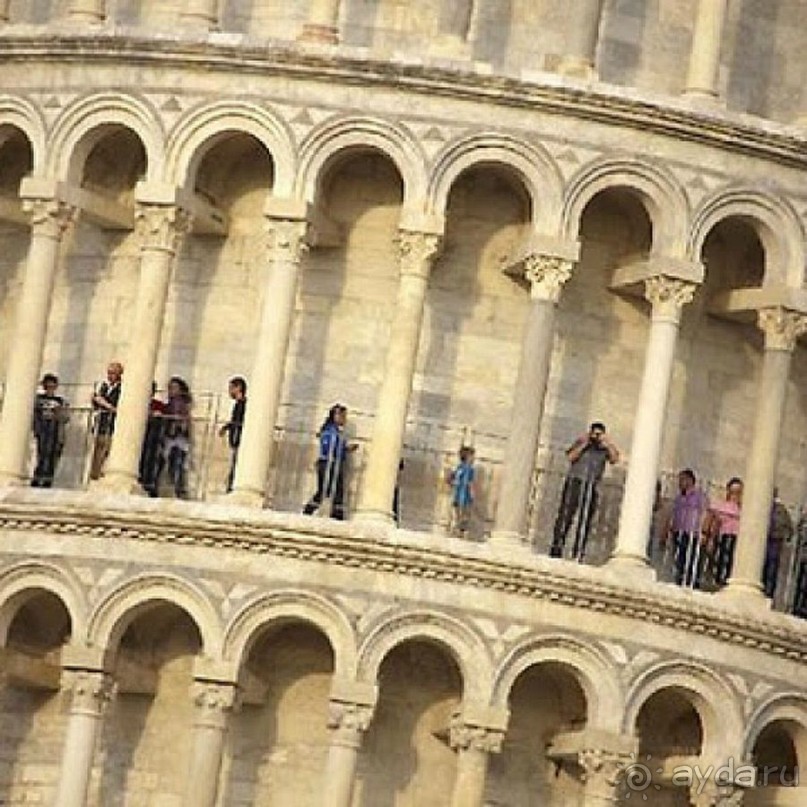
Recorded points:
343,134
591,668
537,171
21,581
710,695
788,706
113,614
777,224
81,124
291,605
200,128
462,642
658,190
25,117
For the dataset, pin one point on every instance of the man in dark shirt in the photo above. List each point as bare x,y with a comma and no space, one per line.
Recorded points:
105,404
235,425
50,417
588,456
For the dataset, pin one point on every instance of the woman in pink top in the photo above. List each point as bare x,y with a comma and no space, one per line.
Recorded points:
720,527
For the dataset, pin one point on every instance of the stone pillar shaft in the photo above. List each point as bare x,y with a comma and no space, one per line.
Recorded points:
546,275
781,328
89,690
87,10
667,296
214,703
204,13
704,59
161,228
582,36
285,250
417,250
4,6
474,745
323,22
348,723
49,220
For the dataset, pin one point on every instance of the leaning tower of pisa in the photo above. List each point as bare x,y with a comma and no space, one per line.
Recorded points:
472,223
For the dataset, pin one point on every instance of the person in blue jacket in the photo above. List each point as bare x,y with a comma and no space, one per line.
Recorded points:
331,463
461,480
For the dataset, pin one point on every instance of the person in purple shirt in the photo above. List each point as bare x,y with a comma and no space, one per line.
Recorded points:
684,529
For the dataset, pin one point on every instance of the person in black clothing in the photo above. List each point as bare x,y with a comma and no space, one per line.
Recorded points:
50,418
105,403
176,437
235,425
152,443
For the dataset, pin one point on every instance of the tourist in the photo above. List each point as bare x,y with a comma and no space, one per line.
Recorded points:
331,464
50,418
462,481
105,405
587,456
176,441
235,425
684,530
152,444
780,532
720,529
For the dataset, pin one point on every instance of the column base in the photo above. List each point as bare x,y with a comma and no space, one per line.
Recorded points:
576,68
199,22
703,98
368,516
508,538
245,498
745,595
122,484
85,18
319,34
9,480
638,566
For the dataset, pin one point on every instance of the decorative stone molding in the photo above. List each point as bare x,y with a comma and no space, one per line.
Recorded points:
49,217
668,296
161,227
781,328
463,736
348,722
214,702
547,275
286,240
603,771
417,251
89,690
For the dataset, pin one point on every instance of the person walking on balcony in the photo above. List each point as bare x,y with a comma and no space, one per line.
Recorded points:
152,444
331,464
105,406
780,532
176,442
684,530
587,456
721,527
51,414
463,490
235,425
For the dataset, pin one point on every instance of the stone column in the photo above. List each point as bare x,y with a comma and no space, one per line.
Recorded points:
49,220
704,60
286,245
546,275
161,228
323,23
473,744
92,11
602,774
348,723
213,702
583,19
89,691
667,296
781,328
201,13
4,6
417,252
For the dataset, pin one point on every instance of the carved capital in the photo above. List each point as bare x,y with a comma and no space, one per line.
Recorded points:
464,735
781,327
286,240
712,794
668,295
49,217
89,690
417,251
547,275
603,771
161,227
213,701
348,721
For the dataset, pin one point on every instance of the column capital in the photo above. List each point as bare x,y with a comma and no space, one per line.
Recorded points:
49,216
781,327
547,275
161,227
348,721
712,794
603,770
287,238
668,295
417,250
89,690
478,728
214,700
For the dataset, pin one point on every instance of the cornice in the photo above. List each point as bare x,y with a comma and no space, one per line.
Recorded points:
605,104
311,540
